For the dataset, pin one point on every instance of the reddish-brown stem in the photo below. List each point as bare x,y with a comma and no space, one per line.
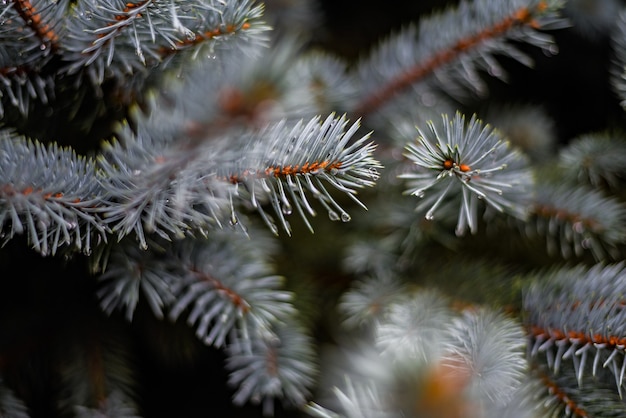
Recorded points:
203,37
610,341
285,171
547,211
558,393
33,19
236,299
412,75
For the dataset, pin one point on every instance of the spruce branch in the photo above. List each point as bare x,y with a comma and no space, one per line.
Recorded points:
455,46
575,220
39,16
227,289
574,315
225,285
410,327
454,161
159,188
477,344
23,58
132,274
562,396
277,364
49,194
103,42
289,163
595,159
156,185
220,282
123,38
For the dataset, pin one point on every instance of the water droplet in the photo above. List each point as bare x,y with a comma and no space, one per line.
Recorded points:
420,194
287,209
578,227
428,99
345,217
551,50
430,216
190,35
334,171
373,171
42,47
333,215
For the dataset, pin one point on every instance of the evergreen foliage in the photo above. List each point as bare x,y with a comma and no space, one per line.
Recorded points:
163,166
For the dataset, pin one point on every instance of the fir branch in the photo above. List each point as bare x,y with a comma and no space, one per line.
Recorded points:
49,194
278,365
575,220
474,33
577,314
472,163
